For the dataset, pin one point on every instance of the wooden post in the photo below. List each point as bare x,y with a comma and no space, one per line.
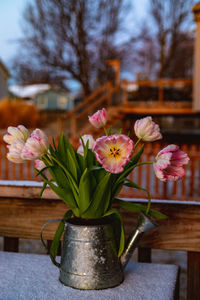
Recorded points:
196,76
160,92
11,244
115,64
144,255
109,94
193,276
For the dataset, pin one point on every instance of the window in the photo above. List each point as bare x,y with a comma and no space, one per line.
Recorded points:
62,102
43,102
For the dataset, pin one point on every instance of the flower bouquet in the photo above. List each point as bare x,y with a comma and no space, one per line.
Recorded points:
88,179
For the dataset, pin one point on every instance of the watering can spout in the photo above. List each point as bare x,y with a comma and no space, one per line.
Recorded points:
144,224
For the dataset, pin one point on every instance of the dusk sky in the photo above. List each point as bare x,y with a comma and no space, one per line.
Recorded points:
11,17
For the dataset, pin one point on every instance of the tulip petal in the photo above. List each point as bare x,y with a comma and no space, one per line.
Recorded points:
113,152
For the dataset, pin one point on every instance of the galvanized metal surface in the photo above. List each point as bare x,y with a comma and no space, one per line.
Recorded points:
144,224
89,259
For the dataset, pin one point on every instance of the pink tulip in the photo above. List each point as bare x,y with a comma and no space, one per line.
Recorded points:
39,164
99,119
85,138
113,152
169,163
20,132
36,146
147,130
15,150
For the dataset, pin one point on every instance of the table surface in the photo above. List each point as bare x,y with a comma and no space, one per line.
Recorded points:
34,277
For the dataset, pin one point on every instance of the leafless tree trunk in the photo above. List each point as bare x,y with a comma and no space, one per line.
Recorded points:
69,39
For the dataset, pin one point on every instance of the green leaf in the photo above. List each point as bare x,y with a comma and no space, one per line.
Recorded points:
72,165
120,229
119,131
84,191
57,236
157,214
43,188
63,146
110,131
136,207
96,208
54,144
130,206
65,195
72,182
117,189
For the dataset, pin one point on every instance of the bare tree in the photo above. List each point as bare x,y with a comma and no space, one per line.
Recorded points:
69,39
165,44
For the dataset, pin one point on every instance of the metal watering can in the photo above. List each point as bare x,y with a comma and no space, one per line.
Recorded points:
89,259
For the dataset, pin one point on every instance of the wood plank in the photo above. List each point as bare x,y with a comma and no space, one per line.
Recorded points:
181,231
193,276
164,110
24,218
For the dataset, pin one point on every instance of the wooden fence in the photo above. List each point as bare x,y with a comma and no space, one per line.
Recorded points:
186,189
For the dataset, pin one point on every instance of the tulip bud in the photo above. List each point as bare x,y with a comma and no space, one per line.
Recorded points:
39,164
20,132
169,163
99,118
15,150
36,146
85,138
147,130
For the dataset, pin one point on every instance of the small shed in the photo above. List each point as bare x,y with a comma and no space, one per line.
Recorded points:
46,97
54,99
4,75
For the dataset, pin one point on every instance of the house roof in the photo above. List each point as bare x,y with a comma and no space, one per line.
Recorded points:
5,70
28,91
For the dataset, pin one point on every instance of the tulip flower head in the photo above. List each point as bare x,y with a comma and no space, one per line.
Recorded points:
113,152
15,150
85,138
20,132
147,130
169,163
39,164
36,146
99,118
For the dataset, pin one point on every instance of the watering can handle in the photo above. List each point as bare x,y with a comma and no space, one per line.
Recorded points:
44,244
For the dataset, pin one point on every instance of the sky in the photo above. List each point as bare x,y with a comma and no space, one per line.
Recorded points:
11,20
10,30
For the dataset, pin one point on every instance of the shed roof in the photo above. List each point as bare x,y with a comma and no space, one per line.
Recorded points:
28,91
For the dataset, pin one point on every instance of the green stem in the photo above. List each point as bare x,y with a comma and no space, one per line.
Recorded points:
144,163
45,158
105,130
149,203
135,146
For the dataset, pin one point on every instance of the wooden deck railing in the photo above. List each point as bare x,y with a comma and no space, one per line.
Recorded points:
186,189
160,84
